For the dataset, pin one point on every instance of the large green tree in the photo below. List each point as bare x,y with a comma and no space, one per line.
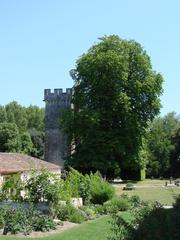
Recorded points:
175,155
35,118
22,129
17,114
162,139
9,138
116,94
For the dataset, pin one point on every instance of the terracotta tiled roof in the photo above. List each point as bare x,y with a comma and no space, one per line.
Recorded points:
16,162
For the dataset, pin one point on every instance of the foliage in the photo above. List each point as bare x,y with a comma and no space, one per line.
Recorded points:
9,138
92,230
120,228
175,155
16,114
101,191
62,211
135,201
15,220
42,223
92,188
11,188
116,205
76,216
3,115
161,146
100,209
37,138
116,94
22,129
24,220
35,118
90,211
78,184
148,222
26,143
66,212
43,186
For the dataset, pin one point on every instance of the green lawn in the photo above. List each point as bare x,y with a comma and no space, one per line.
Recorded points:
93,230
97,229
152,190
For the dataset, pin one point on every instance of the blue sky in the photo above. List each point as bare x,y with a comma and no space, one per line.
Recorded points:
40,41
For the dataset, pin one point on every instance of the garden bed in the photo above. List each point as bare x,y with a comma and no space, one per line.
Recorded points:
59,229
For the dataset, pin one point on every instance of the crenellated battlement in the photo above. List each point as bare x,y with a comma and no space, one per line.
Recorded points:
58,94
56,148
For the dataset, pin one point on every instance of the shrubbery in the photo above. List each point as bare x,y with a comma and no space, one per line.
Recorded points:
11,188
78,185
47,187
24,220
76,215
100,190
89,212
116,205
43,186
68,212
148,222
92,188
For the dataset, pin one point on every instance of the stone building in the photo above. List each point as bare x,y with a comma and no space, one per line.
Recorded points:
56,149
13,163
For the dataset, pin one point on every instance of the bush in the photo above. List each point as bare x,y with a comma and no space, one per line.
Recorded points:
135,201
24,220
77,216
89,211
11,188
116,205
101,191
42,223
15,220
62,211
78,185
100,209
148,222
92,188
120,229
70,213
43,186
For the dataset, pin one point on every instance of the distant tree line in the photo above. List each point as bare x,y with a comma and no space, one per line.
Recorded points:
22,129
163,146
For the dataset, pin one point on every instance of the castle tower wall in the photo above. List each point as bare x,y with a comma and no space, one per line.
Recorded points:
56,149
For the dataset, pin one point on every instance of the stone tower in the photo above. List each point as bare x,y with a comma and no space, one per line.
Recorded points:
56,148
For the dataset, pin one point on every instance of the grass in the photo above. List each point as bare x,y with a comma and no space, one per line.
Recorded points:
93,230
152,190
97,229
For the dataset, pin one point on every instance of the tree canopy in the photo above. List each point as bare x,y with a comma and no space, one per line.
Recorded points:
22,129
163,145
116,94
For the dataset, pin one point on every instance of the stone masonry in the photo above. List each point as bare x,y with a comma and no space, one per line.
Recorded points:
56,149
